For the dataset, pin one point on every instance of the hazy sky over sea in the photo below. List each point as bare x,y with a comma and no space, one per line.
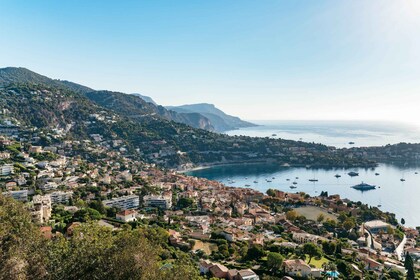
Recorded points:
256,59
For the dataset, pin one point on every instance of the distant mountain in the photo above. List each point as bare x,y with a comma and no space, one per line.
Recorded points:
126,104
135,107
219,119
145,98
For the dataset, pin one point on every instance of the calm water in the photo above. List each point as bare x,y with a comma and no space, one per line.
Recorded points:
401,198
336,133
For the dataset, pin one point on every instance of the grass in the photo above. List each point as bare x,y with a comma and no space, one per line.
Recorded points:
317,263
312,213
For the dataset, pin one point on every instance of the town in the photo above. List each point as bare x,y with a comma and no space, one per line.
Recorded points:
232,233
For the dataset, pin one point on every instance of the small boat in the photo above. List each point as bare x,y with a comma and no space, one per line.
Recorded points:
255,182
293,187
247,185
337,175
294,183
376,174
364,187
352,174
379,205
269,181
402,180
416,173
351,143
313,180
273,178
297,178
273,134
287,179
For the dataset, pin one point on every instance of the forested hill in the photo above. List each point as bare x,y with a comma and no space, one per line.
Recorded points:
57,110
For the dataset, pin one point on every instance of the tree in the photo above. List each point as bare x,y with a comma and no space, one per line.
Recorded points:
409,265
312,250
320,218
274,260
86,214
349,224
271,192
185,202
291,215
255,252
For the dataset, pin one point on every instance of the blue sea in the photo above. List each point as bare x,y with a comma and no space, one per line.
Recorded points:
392,194
335,133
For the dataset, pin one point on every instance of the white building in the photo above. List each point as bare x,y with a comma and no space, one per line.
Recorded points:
18,195
6,170
41,208
60,197
163,202
49,186
376,226
126,216
123,202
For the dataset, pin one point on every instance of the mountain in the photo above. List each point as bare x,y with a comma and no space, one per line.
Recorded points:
135,104
135,107
145,98
53,111
219,119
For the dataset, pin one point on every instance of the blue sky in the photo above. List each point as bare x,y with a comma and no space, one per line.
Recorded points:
256,59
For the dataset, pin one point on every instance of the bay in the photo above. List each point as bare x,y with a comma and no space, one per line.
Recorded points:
394,195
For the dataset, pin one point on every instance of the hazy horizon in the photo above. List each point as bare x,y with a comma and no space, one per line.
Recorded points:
271,60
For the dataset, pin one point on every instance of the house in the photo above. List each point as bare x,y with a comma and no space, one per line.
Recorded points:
219,271
18,195
376,226
126,216
6,170
247,274
60,197
297,268
205,266
46,232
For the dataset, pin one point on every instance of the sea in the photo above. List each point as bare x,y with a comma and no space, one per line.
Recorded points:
392,194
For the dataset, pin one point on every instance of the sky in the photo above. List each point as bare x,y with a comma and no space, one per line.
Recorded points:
260,60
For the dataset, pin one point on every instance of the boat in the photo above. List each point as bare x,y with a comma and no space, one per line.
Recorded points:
293,187
313,180
273,134
364,187
376,174
287,179
352,173
351,143
402,180
294,183
269,181
297,178
379,205
416,173
255,182
337,175
247,185
273,178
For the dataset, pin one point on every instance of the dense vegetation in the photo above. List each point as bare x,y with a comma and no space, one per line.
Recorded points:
92,251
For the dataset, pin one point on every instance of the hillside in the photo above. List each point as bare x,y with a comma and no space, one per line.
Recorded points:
219,119
54,110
